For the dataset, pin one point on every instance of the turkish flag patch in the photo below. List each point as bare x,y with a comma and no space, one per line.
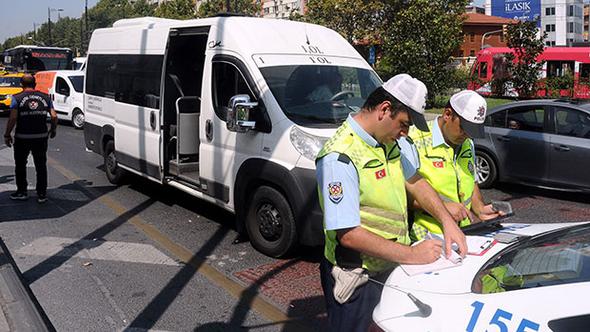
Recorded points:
380,174
438,164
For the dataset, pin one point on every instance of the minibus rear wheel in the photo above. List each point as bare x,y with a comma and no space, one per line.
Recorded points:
113,171
270,223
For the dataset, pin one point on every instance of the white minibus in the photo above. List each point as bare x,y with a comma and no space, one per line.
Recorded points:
232,110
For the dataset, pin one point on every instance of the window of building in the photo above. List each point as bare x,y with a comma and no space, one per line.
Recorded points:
570,11
501,38
549,27
548,43
131,79
553,43
472,37
570,27
471,52
549,11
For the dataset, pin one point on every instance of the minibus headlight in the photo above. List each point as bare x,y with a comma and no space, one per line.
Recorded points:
306,144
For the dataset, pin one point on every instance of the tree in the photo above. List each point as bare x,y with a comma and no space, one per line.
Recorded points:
419,39
214,7
143,8
177,9
353,19
523,67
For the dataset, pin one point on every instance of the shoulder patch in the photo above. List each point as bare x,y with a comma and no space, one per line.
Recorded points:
336,192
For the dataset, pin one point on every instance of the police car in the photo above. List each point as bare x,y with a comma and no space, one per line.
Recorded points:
538,282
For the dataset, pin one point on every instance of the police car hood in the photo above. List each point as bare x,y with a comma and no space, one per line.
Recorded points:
458,280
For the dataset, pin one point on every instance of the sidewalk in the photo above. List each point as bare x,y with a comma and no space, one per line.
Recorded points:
19,310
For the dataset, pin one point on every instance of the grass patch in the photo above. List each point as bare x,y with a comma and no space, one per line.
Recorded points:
441,101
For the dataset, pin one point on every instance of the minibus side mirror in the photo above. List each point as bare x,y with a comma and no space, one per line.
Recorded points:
238,114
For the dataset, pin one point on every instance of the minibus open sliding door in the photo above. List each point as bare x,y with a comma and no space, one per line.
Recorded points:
181,107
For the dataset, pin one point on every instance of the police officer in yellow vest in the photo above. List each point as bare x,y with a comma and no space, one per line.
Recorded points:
362,181
447,162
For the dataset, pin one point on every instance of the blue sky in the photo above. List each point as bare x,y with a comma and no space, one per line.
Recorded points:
19,15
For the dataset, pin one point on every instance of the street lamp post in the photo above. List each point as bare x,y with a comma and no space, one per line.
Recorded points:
35,41
483,37
49,10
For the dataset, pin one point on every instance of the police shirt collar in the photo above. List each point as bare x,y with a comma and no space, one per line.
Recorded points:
361,132
437,136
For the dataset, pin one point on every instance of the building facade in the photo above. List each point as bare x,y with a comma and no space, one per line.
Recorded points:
480,31
282,8
562,20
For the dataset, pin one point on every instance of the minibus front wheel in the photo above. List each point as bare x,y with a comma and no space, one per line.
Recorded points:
270,223
78,119
112,170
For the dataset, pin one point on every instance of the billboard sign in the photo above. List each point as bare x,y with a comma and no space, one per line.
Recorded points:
524,10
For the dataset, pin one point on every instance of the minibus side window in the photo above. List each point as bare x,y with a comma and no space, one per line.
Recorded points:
127,78
228,81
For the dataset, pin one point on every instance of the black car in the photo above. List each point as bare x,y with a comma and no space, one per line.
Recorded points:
544,143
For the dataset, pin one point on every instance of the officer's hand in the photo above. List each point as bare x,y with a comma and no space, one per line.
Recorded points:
487,212
426,251
458,211
52,134
8,140
453,234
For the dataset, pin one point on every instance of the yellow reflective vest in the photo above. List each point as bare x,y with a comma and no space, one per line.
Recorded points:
383,204
451,175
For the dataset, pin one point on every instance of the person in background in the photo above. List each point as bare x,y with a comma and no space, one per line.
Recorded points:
447,162
28,112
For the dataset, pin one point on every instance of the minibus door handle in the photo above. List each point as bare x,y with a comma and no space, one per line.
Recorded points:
153,120
209,130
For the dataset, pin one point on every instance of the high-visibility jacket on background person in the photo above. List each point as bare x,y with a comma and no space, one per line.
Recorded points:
451,174
383,204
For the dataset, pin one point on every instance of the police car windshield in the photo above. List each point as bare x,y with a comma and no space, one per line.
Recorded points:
9,82
559,257
77,82
320,96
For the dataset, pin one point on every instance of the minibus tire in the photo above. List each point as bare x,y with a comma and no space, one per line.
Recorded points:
270,223
487,169
78,119
114,173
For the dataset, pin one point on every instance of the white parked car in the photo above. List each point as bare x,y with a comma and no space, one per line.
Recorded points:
540,282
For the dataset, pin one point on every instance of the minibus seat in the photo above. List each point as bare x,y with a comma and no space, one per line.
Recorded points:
188,110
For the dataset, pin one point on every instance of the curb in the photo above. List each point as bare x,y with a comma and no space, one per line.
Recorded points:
19,309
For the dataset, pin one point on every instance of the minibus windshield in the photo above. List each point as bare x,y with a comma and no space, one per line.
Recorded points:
320,96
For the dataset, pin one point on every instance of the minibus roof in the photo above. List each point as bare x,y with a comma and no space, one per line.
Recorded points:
246,36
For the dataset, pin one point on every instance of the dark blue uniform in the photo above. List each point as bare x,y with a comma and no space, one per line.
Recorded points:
31,137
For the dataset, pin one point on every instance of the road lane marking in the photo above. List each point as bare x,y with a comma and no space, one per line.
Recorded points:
48,246
266,309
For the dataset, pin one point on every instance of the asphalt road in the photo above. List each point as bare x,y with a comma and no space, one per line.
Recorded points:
146,257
